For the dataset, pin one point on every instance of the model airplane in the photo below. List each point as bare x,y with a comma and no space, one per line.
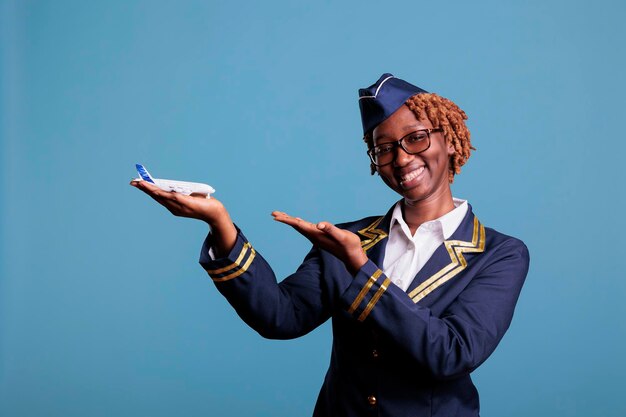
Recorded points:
182,187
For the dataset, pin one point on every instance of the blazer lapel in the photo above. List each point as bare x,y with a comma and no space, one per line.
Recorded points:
374,238
450,257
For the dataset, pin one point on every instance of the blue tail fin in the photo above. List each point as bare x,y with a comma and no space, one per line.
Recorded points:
143,173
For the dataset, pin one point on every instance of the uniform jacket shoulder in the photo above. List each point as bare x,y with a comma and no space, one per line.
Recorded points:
501,243
499,238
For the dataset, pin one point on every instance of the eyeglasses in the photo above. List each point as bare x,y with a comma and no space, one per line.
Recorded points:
413,143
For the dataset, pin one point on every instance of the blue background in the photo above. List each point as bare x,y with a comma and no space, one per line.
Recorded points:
104,310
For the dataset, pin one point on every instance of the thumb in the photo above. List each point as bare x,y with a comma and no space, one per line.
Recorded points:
330,229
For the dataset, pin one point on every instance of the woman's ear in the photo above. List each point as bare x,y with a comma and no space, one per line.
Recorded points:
450,149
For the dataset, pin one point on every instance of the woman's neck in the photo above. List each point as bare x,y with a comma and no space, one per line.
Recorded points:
417,212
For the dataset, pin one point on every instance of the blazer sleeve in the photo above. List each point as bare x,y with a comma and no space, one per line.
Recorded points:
465,334
284,310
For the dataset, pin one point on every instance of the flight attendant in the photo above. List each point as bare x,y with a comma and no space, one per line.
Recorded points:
418,297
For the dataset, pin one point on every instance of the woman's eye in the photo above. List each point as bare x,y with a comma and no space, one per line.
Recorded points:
417,137
384,149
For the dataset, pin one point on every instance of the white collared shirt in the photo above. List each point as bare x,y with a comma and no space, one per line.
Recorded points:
405,255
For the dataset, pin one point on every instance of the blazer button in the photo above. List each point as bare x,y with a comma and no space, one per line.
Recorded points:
374,353
371,400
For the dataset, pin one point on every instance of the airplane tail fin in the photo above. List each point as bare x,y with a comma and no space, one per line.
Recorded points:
143,173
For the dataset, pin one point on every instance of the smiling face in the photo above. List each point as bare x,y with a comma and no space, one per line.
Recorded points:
421,177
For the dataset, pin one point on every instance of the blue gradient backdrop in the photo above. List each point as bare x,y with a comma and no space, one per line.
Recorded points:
104,310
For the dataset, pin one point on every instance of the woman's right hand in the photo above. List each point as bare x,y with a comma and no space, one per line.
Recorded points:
209,210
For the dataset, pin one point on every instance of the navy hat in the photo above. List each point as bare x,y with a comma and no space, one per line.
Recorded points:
381,99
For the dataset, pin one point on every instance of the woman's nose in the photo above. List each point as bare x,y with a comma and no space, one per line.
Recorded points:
401,157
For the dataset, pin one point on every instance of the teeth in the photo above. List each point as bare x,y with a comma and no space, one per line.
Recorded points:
411,175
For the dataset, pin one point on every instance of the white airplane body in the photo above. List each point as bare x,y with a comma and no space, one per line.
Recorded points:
182,187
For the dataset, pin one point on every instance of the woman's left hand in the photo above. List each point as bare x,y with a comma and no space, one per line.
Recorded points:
343,244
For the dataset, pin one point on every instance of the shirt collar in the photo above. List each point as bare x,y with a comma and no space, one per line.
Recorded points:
445,224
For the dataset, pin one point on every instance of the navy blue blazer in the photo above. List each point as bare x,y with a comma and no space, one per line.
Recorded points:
395,353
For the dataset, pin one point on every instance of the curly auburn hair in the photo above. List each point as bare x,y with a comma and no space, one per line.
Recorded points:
445,114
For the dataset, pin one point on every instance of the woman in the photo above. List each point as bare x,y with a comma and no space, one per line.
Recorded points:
418,298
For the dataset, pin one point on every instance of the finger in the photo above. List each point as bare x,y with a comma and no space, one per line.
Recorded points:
315,236
296,222
170,200
280,215
161,196
147,188
307,229
330,229
283,215
291,221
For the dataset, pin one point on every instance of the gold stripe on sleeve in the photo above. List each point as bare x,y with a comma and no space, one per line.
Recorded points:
374,299
364,290
243,269
243,252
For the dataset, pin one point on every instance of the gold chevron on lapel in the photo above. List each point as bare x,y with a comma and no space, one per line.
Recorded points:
372,235
456,249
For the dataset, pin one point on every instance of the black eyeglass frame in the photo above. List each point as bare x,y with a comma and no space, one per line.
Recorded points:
400,143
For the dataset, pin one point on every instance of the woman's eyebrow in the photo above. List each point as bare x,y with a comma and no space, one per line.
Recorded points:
407,129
